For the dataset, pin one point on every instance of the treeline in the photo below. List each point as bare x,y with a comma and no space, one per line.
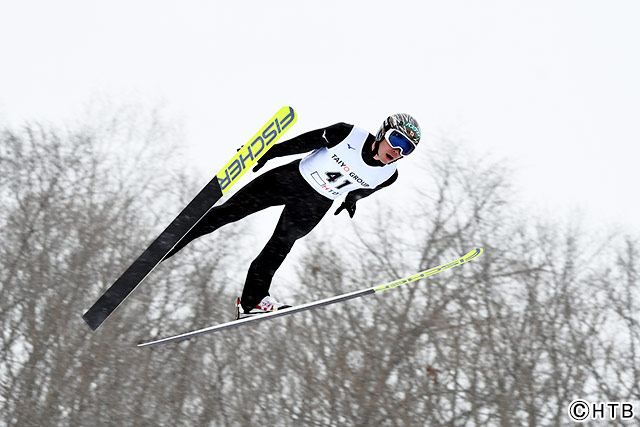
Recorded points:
547,314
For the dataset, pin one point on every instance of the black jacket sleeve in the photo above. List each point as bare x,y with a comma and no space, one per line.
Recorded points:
323,137
355,195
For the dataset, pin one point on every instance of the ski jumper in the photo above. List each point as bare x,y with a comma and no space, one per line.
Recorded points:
341,162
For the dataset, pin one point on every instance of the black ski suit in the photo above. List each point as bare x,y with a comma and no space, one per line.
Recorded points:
304,207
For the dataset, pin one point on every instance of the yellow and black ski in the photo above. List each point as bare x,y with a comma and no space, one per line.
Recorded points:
244,159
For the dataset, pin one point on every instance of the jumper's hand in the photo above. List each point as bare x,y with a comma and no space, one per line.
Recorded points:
350,206
259,164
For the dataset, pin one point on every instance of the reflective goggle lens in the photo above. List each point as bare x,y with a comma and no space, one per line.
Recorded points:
398,140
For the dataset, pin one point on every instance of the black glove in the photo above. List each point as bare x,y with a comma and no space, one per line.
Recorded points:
259,164
349,205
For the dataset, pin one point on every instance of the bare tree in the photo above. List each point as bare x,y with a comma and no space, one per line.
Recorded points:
547,314
507,340
78,206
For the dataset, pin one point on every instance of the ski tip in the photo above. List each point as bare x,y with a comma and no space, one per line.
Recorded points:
471,255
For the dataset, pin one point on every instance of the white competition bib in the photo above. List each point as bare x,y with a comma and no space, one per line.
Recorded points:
340,169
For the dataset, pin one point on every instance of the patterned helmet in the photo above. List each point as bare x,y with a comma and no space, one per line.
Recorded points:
402,122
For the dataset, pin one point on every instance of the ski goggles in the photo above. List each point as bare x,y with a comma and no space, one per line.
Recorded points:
399,140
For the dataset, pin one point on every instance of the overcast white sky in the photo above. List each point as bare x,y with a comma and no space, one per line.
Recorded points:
551,85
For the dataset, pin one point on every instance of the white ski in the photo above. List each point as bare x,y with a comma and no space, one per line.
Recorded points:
315,304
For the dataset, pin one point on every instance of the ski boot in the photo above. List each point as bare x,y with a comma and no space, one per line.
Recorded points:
267,305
